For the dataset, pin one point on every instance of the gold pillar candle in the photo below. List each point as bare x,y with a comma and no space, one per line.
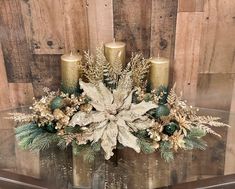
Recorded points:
159,72
70,72
115,49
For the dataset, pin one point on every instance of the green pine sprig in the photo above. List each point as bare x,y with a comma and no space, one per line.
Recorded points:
144,143
88,151
166,152
32,137
194,139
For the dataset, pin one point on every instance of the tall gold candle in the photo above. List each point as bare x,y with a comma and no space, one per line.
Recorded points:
70,72
159,72
115,50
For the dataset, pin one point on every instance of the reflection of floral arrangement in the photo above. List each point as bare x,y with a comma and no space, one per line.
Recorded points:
114,110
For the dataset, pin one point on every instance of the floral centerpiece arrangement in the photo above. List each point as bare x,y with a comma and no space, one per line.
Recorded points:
114,109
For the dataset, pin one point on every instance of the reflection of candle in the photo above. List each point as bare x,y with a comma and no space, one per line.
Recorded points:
114,50
70,72
159,72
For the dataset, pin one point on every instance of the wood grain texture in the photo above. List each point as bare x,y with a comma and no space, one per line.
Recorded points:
7,148
136,166
217,49
132,24
82,172
229,167
214,91
14,44
45,73
75,25
191,6
27,163
158,178
56,167
21,94
55,30
187,49
4,91
47,24
163,24
180,167
163,28
100,21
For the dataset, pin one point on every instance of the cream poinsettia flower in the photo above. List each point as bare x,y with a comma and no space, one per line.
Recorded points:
115,116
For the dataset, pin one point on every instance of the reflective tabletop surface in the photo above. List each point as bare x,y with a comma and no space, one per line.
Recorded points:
57,169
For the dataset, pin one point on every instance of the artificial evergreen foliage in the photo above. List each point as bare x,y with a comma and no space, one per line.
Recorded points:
166,152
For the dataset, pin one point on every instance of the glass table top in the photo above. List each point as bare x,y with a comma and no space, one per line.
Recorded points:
57,169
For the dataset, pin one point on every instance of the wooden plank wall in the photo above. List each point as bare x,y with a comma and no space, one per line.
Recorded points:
34,34
229,167
204,67
204,71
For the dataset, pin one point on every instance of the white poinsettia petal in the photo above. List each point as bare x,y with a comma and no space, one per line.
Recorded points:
81,119
136,111
99,130
93,93
106,94
125,137
119,97
84,119
142,107
127,102
123,90
140,124
98,117
109,139
98,106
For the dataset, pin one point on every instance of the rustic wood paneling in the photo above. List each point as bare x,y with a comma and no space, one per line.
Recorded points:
215,91
82,172
45,73
47,24
137,165
57,30
158,178
217,49
7,148
4,91
132,24
180,167
23,167
100,21
26,16
163,26
56,168
20,94
191,6
75,25
14,44
229,167
187,49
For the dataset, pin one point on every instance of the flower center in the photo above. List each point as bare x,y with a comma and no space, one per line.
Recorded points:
111,117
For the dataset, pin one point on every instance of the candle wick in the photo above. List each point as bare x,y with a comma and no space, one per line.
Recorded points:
158,54
71,53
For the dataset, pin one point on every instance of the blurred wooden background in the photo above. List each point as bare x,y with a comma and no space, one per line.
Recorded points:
197,35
